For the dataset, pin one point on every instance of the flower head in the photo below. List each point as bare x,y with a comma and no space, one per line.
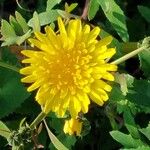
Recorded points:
69,68
73,126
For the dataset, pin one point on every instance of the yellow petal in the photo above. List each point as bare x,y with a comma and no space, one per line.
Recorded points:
74,107
101,84
106,41
96,98
29,79
61,27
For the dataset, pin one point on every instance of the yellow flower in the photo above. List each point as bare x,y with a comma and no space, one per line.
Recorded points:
73,126
69,68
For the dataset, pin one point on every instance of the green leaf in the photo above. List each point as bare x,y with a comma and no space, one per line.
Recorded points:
67,140
35,22
18,29
54,140
9,41
146,131
145,12
12,91
139,93
64,14
7,30
46,18
71,7
21,39
126,140
145,62
93,8
116,93
51,4
22,22
57,124
116,16
139,148
130,123
4,130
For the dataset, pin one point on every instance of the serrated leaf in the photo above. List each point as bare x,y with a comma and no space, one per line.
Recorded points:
55,140
139,93
9,41
12,91
126,140
70,8
51,4
145,62
146,131
46,17
116,16
22,22
35,22
130,123
21,39
7,30
63,14
4,130
116,94
18,29
93,8
145,12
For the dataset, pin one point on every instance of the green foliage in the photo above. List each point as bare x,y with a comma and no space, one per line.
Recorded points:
93,8
4,130
10,87
67,140
58,145
116,16
145,62
136,94
35,22
126,140
145,12
128,100
15,32
51,4
146,131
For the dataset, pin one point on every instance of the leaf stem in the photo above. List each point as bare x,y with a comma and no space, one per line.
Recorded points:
37,120
129,55
5,65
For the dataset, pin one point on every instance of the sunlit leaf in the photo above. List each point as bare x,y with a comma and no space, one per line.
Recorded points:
146,131
7,30
116,16
71,7
51,4
4,130
93,8
22,22
54,140
35,22
126,140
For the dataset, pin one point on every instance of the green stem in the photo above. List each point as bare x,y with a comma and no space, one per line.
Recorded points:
129,55
37,120
5,65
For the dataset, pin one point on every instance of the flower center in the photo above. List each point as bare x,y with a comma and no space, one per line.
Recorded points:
70,69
